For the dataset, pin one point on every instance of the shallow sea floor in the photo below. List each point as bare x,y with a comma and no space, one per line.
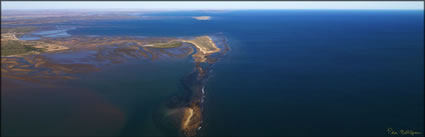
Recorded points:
108,102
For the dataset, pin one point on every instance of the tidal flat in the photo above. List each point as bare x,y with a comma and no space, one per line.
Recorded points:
62,60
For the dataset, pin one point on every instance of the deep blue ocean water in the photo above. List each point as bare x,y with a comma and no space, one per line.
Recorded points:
293,72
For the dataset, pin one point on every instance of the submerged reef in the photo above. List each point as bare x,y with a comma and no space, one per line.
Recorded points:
188,107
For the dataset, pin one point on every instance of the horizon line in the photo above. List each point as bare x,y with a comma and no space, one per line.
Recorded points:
112,9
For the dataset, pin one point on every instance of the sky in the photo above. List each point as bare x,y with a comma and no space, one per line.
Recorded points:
211,5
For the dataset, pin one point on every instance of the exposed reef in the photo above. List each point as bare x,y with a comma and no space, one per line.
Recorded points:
191,102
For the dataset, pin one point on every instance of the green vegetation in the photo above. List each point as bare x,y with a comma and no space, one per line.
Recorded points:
18,30
167,45
15,47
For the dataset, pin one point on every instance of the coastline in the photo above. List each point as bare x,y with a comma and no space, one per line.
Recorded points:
188,114
203,48
117,50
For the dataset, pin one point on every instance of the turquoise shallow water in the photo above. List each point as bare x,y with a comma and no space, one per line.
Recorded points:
288,73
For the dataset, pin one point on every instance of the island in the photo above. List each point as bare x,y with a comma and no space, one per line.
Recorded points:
202,17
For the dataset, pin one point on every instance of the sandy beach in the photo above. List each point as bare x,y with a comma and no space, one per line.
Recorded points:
188,113
206,48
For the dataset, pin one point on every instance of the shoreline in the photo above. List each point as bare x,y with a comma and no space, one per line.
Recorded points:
188,114
202,48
